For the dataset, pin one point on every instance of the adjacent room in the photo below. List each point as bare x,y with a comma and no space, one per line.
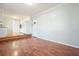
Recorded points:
39,29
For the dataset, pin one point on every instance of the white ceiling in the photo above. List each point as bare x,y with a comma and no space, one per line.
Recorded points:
24,9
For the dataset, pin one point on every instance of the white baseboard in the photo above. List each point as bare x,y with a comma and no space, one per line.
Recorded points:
58,42
64,43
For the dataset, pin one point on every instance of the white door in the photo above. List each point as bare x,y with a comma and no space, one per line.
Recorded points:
26,26
15,26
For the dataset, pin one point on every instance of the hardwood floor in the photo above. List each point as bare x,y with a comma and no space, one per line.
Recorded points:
32,46
13,36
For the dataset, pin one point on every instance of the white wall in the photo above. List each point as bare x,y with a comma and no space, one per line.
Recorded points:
60,24
10,25
7,26
3,29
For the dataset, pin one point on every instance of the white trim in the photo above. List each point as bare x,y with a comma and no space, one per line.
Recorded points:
48,10
59,42
65,44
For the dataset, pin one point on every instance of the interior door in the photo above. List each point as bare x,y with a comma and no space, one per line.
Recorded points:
16,26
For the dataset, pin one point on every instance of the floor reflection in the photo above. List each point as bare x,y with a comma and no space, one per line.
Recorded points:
14,45
15,53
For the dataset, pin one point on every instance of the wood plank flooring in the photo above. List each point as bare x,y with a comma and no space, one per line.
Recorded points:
32,46
13,36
